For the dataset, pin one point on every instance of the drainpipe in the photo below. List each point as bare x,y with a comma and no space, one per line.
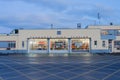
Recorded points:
48,45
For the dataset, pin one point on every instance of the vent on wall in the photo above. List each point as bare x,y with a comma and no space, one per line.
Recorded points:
16,31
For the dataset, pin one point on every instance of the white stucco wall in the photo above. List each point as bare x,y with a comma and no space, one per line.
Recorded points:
10,38
94,34
104,27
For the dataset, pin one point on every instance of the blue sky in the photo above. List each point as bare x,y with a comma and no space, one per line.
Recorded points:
61,13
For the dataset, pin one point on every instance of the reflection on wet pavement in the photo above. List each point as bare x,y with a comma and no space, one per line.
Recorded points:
86,67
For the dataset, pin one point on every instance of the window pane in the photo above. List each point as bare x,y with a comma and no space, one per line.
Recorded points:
117,45
58,32
3,44
7,44
23,44
103,43
95,43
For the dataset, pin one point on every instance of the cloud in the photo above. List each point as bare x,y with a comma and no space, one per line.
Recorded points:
61,13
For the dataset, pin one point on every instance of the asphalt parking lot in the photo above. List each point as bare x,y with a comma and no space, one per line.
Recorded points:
84,67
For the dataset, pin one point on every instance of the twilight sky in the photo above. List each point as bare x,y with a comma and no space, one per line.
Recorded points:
15,14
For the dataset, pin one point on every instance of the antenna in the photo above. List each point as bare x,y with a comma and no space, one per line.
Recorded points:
99,17
51,26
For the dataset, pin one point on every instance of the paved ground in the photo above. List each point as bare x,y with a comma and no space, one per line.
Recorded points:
87,67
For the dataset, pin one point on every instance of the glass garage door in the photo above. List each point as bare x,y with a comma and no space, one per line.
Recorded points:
80,45
38,45
58,45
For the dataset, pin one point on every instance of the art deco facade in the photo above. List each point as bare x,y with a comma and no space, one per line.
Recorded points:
93,39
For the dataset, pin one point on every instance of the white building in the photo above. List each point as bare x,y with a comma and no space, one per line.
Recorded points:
94,39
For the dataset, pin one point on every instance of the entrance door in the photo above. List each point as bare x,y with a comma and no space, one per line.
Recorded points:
110,45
